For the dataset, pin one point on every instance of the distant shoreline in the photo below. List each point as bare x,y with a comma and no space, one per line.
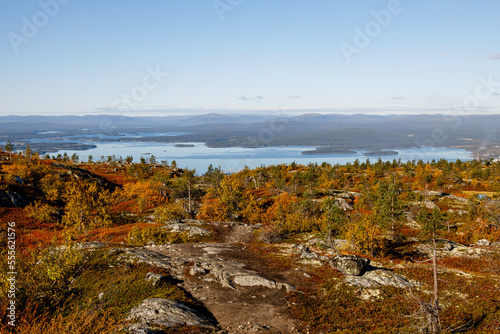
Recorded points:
380,153
329,150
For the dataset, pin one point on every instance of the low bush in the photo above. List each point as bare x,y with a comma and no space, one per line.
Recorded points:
39,211
158,235
173,210
68,289
329,305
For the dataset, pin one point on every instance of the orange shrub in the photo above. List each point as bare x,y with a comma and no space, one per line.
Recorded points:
212,209
146,193
115,233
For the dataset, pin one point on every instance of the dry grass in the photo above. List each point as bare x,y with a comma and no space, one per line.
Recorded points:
115,233
78,322
490,194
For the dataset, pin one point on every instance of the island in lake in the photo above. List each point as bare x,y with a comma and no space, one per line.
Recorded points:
184,145
329,150
380,153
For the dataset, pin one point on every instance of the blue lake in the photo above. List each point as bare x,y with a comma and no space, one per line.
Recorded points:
200,156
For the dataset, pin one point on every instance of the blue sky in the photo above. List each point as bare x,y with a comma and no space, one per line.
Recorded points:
173,56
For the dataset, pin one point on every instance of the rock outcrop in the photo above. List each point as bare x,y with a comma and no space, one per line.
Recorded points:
457,199
165,313
431,194
350,264
430,205
191,230
231,274
452,249
378,278
343,204
483,242
10,199
155,279
227,273
137,255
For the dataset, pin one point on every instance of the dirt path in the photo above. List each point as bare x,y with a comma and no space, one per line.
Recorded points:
242,290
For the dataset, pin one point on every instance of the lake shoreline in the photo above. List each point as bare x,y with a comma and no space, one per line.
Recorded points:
198,156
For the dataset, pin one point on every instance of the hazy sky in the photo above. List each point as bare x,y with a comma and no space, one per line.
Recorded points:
93,56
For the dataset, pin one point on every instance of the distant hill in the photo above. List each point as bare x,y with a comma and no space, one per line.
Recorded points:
359,131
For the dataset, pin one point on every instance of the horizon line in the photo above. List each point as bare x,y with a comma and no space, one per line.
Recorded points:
249,112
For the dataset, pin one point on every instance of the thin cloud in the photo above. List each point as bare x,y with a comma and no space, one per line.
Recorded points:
401,97
256,98
292,97
494,56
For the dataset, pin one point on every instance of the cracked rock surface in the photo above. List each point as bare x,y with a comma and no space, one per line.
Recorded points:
239,290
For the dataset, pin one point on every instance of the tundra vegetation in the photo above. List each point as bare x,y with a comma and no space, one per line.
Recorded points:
435,226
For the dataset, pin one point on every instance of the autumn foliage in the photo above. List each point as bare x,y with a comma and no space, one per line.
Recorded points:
375,208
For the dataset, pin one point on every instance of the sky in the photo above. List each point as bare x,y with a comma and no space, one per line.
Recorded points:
165,57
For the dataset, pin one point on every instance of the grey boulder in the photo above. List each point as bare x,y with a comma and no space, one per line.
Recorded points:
483,242
379,278
154,278
165,313
350,264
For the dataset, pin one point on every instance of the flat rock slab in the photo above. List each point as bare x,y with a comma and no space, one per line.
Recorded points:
228,273
138,255
213,250
190,230
379,278
452,249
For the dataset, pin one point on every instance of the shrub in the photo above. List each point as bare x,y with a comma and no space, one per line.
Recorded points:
213,209
79,322
270,234
158,235
87,206
329,305
43,277
364,235
174,210
59,292
146,193
39,211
